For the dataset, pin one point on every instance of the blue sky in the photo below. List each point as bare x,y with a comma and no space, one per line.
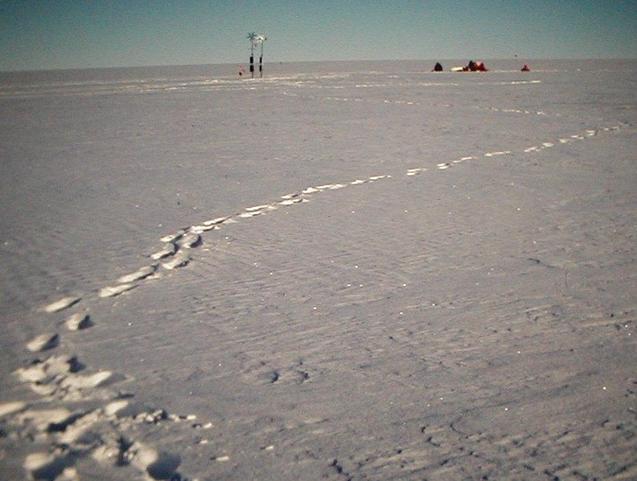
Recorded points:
47,34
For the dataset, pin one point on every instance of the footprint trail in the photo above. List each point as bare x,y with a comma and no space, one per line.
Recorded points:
101,429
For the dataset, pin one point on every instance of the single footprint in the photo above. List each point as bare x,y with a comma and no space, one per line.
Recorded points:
247,215
49,369
173,237
11,407
292,196
137,275
61,304
168,250
112,291
112,408
180,260
218,220
257,208
43,342
45,420
78,321
88,381
158,465
48,467
189,240
200,229
83,430
292,201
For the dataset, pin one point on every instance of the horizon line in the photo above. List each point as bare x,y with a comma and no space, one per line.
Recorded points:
113,67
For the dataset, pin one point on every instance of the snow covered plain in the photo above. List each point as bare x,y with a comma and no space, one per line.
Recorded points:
341,271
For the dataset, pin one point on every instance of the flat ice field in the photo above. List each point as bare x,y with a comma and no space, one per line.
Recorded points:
343,271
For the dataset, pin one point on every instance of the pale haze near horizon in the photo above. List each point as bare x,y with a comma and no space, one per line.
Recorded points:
77,34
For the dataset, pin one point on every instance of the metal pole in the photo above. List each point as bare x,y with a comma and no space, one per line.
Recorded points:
251,37
262,39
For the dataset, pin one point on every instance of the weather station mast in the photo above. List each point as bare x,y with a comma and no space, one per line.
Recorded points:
256,40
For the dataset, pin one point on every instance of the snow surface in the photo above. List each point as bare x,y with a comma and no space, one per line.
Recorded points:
340,271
